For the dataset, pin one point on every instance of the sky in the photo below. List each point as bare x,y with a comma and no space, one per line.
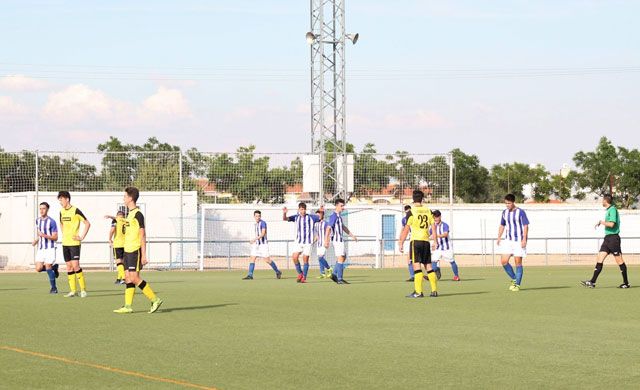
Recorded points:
513,80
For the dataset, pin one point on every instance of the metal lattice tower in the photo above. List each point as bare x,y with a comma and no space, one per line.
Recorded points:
328,127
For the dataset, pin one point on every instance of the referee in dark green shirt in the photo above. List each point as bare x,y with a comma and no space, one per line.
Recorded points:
610,245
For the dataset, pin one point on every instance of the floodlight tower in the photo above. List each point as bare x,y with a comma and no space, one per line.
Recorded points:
328,118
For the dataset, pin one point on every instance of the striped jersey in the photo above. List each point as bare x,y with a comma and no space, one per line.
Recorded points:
258,231
304,227
319,229
46,226
337,227
443,242
514,222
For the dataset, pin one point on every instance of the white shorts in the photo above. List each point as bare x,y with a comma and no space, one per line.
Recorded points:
47,256
339,249
321,251
305,249
261,250
446,254
513,248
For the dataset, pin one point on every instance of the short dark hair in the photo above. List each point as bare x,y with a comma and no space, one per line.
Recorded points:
510,198
418,196
64,194
302,205
133,192
320,211
407,207
120,212
608,198
339,201
257,212
436,213
45,204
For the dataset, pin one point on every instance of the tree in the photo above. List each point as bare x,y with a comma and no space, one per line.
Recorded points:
471,180
370,173
510,178
597,167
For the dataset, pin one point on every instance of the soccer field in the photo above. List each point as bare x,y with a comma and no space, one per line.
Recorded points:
217,331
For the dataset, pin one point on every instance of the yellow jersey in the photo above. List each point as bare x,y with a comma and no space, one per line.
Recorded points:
118,237
419,219
132,226
70,220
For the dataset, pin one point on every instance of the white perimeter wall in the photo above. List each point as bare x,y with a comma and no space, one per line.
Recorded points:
469,224
161,210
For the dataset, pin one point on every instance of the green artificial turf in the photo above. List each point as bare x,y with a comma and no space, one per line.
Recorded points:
217,330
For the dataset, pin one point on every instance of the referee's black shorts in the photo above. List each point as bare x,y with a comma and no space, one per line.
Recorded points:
420,252
611,245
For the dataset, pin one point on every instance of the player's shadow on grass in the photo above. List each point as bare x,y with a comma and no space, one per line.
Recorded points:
464,293
545,288
203,307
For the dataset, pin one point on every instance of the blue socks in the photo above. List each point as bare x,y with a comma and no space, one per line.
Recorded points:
305,271
509,270
434,265
52,278
454,268
338,270
519,272
274,266
252,266
411,271
298,268
323,264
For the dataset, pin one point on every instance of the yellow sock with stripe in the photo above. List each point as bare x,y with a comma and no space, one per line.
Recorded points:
129,292
417,281
72,281
120,267
433,280
81,282
147,291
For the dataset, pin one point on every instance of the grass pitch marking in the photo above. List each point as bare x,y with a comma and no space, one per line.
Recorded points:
106,368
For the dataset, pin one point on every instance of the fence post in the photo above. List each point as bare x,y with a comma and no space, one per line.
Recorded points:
202,220
170,255
568,240
493,253
181,209
287,254
546,251
380,243
228,255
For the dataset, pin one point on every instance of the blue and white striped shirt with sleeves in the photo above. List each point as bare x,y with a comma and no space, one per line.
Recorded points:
514,223
258,227
46,226
336,225
304,227
319,230
443,242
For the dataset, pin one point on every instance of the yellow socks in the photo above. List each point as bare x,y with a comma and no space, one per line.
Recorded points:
147,291
433,280
417,281
129,292
80,277
120,267
72,281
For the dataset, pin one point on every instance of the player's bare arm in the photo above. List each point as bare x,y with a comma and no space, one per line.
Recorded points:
327,236
284,214
403,237
87,226
143,246
346,230
525,236
500,233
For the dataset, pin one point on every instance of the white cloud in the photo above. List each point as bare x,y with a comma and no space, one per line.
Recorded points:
9,107
80,104
18,82
166,102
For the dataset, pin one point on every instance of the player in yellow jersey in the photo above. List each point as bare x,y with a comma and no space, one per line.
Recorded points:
419,219
135,254
70,219
116,240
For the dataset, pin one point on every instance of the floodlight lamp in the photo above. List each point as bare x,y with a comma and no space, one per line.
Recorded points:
311,38
353,37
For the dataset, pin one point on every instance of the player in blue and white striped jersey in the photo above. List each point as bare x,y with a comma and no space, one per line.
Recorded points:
260,247
47,232
514,225
318,234
445,247
304,238
334,236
